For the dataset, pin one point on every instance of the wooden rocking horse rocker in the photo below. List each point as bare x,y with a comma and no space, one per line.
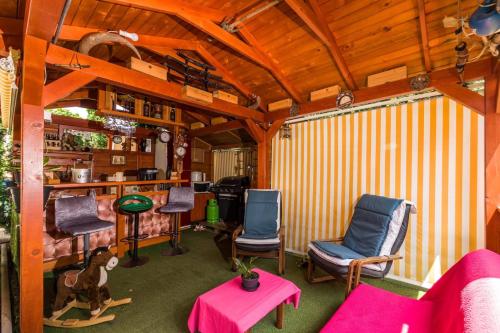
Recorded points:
92,282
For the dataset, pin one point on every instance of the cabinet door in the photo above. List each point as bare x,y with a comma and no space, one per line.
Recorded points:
200,204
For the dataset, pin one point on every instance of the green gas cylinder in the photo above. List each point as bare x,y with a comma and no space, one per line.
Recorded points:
212,211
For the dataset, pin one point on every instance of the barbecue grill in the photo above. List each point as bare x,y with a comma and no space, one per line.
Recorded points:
230,193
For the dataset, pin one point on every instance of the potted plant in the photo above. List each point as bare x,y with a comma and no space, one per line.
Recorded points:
249,278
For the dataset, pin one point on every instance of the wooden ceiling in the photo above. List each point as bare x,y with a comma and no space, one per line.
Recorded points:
371,35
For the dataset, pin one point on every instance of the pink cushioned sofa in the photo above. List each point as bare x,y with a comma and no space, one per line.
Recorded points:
465,299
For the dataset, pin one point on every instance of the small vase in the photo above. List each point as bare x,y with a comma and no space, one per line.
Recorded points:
250,284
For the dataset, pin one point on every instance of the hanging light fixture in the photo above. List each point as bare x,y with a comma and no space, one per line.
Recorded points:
126,127
285,132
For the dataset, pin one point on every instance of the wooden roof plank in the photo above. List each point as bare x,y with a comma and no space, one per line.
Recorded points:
423,35
227,75
272,67
331,44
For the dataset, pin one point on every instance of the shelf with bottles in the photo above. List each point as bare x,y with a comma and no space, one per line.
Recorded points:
143,109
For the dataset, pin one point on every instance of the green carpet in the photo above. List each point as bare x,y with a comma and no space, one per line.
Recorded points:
164,290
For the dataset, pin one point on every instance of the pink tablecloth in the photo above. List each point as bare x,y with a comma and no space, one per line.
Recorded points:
230,309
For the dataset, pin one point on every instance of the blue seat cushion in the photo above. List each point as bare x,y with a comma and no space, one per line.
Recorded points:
369,224
261,214
336,250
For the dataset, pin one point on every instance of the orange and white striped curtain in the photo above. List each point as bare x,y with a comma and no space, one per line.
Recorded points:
430,152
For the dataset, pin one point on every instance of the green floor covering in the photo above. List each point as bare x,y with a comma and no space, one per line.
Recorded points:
164,290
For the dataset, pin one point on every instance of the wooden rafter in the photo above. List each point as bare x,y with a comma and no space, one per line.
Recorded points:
424,35
275,71
167,46
474,70
461,94
199,19
64,86
257,133
73,33
329,41
200,117
130,79
11,26
41,18
227,75
275,127
219,128
174,7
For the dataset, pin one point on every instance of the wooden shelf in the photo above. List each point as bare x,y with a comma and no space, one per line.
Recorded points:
67,152
124,183
139,118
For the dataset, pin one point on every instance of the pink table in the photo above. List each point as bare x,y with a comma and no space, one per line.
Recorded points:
230,309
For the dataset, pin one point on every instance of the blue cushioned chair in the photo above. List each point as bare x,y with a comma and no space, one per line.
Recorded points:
262,234
376,232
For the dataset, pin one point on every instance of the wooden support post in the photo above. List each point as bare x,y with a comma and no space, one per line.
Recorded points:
262,162
492,163
31,239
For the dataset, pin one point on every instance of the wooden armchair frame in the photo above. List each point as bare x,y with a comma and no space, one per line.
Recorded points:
354,271
279,254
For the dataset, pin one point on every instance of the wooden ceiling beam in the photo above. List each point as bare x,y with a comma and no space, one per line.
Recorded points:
275,127
329,41
473,71
275,71
199,18
64,86
11,26
174,7
227,75
74,33
255,131
219,128
200,117
41,18
140,82
461,94
166,46
424,35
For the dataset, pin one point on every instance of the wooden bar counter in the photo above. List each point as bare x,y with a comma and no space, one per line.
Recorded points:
121,220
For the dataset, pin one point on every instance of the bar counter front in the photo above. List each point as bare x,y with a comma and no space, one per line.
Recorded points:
61,249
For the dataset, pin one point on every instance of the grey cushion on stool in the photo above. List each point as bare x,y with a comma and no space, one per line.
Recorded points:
78,216
180,199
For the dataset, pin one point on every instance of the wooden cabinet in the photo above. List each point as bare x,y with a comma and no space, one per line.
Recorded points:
199,211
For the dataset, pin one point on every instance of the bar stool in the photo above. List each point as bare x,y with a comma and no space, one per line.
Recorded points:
77,216
139,205
180,200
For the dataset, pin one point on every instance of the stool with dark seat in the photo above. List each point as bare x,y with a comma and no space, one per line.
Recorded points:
77,216
180,200
139,204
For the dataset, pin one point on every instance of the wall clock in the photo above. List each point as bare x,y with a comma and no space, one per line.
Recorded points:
164,136
345,99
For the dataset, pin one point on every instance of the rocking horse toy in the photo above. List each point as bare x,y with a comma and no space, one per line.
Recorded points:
90,282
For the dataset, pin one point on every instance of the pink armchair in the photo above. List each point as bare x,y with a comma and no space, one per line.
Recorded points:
465,299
